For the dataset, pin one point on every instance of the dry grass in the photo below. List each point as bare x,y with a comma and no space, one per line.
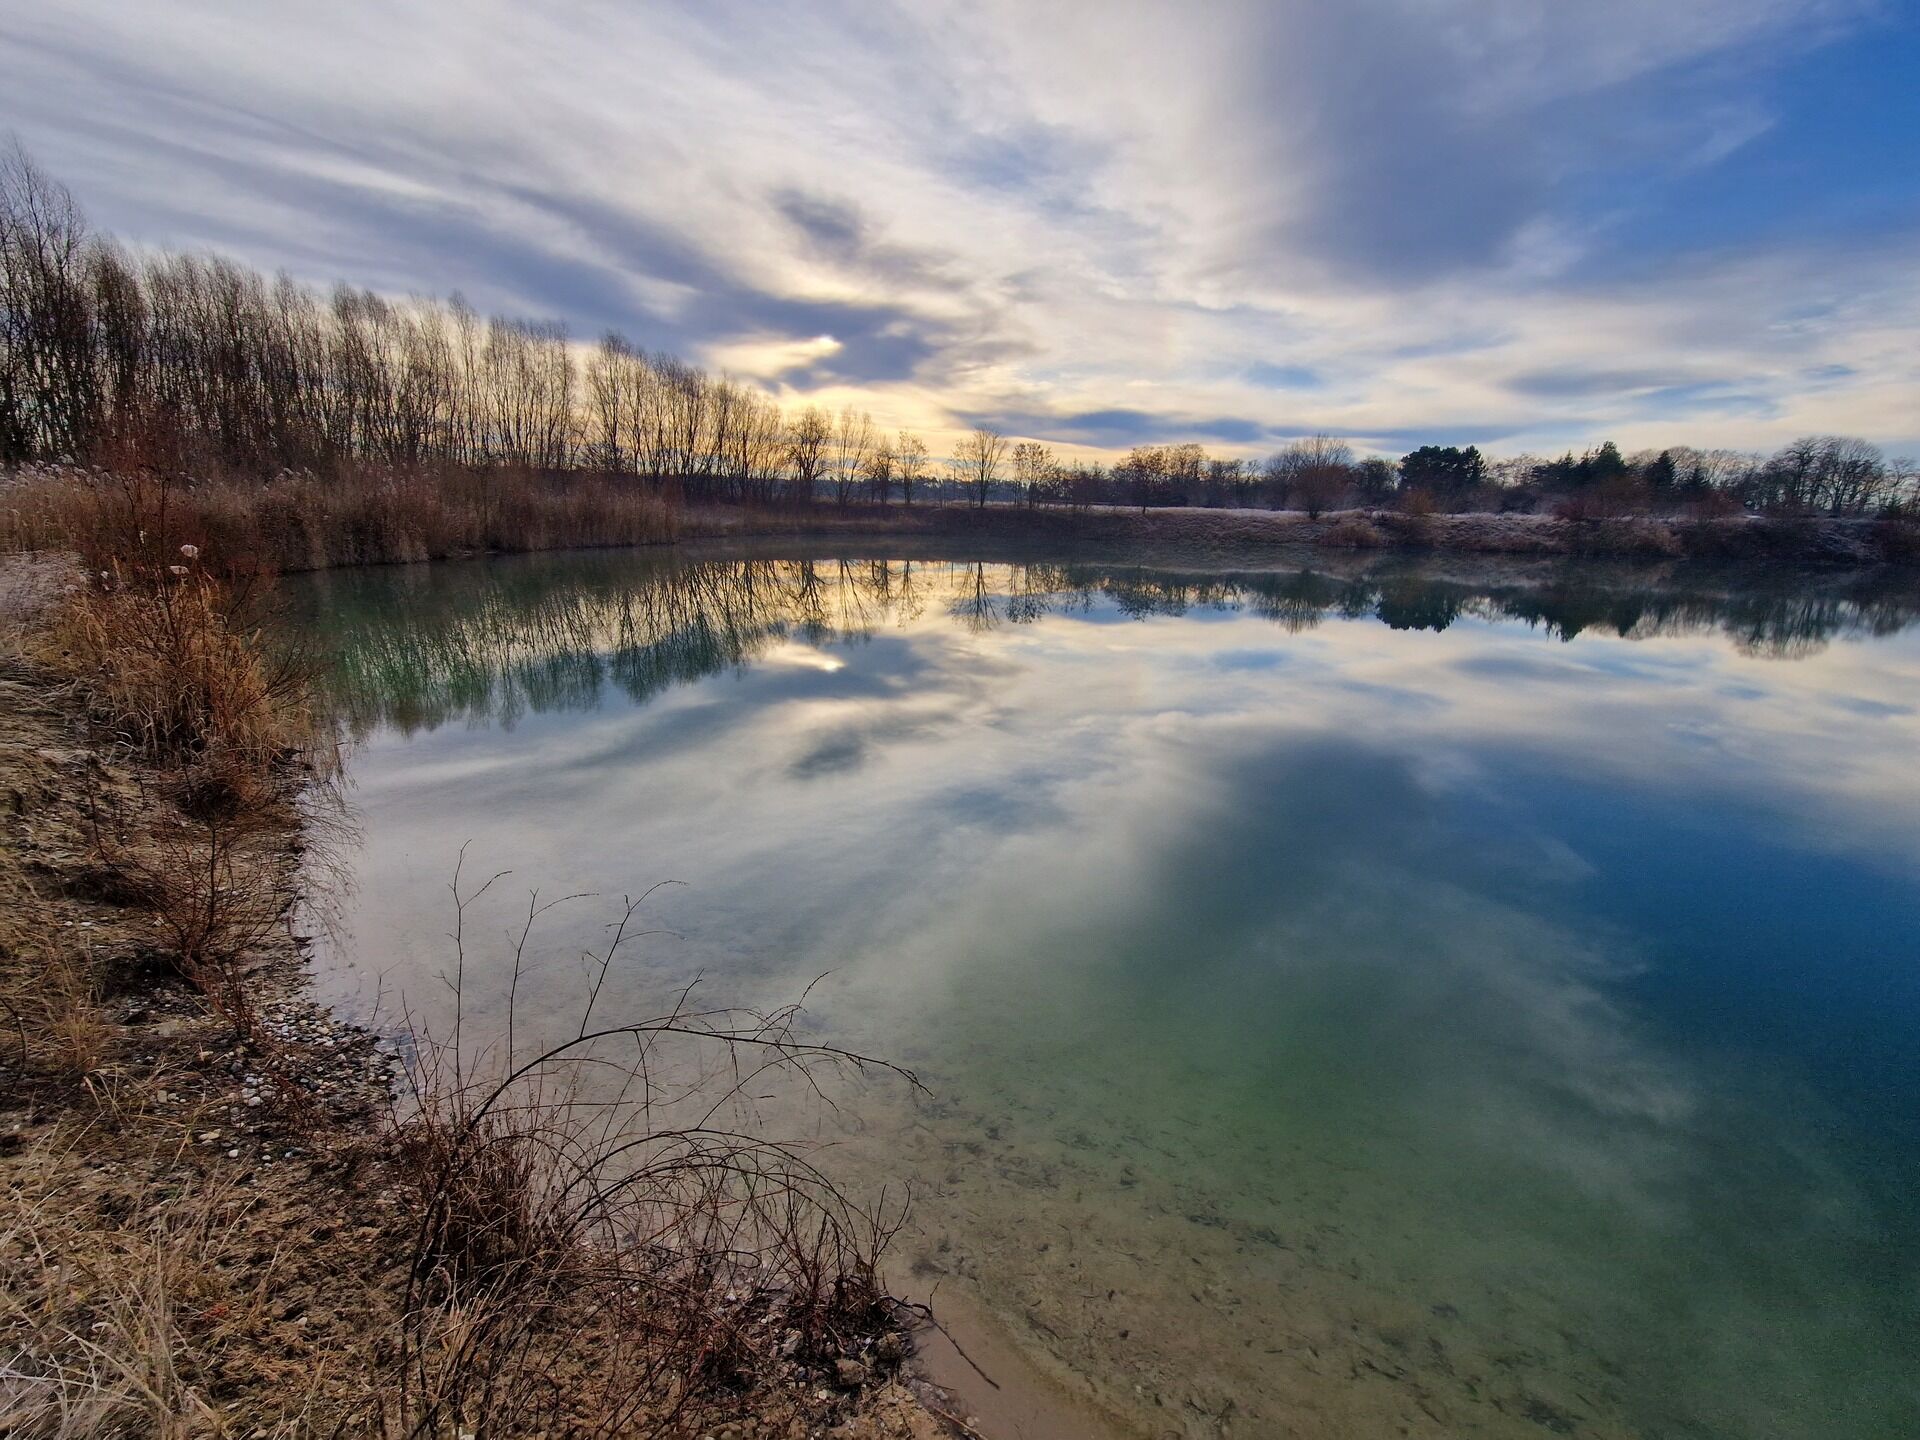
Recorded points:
49,985
119,1331
164,639
602,1247
593,1241
172,669
301,521
171,664
1353,532
587,1240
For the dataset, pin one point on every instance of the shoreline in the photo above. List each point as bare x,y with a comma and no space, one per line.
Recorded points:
1001,1389
1814,543
268,525
218,1177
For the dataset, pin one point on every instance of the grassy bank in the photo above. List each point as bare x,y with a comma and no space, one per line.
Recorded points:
359,516
219,1219
365,516
1813,542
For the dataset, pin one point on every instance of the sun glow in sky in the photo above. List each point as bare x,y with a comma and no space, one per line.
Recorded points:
1525,224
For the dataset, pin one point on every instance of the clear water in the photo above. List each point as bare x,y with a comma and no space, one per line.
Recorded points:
1385,999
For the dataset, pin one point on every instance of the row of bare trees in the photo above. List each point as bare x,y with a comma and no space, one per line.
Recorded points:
1310,474
202,362
198,358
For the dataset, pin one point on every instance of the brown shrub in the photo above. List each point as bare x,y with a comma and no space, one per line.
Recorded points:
1715,505
1898,537
1609,500
1412,523
1627,536
302,521
171,670
1354,532
603,1197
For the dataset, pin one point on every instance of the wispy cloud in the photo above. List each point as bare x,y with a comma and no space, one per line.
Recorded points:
1098,222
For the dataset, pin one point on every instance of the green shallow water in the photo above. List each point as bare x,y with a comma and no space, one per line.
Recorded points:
1357,997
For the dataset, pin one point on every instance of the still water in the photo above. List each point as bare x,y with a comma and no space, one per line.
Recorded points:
1372,999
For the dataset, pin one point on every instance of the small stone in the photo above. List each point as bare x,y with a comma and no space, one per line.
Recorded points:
849,1374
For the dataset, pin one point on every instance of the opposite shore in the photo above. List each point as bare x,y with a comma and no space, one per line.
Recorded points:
302,522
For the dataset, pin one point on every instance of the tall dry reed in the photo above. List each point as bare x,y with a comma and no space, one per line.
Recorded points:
357,515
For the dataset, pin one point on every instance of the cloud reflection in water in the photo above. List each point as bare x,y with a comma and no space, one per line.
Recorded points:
1286,904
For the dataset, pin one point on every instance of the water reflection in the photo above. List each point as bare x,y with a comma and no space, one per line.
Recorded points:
419,646
1351,1010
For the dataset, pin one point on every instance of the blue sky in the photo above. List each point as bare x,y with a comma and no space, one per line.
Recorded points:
1534,223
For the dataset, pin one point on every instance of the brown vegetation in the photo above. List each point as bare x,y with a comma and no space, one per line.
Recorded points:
532,1252
599,1244
358,516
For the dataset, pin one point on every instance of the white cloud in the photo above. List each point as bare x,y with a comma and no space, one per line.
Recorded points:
1006,208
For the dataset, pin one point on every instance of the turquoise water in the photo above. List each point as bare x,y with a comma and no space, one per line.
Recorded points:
1357,1000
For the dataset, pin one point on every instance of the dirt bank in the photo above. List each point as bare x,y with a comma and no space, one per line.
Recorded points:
205,1232
1230,533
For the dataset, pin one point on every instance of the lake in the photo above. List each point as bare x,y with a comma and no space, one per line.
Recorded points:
1356,996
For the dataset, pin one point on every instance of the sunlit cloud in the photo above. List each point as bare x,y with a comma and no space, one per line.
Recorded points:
1527,224
769,356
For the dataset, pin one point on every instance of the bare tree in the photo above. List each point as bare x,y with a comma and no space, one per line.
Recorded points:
910,463
610,381
807,440
1837,474
47,399
1085,485
1143,475
1186,466
1227,482
976,461
848,452
1311,473
879,472
1034,470
1903,474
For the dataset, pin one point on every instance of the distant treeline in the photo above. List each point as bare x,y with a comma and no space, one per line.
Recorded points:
198,364
1815,475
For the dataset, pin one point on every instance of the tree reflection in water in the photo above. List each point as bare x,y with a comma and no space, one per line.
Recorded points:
495,641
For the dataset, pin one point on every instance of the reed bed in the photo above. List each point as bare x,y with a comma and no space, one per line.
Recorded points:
589,1237
356,515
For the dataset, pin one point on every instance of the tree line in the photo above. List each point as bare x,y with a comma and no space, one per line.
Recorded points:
198,362
1816,475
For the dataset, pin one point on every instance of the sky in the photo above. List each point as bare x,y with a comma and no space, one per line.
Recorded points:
1526,224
